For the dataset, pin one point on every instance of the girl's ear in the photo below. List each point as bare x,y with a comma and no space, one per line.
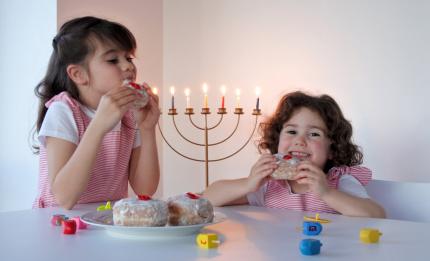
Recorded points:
78,74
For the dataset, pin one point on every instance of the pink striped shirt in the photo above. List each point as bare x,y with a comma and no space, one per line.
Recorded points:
280,196
109,176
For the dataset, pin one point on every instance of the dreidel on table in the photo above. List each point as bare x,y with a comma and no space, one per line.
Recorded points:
369,235
207,241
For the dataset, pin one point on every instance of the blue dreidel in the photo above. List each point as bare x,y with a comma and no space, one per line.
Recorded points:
310,247
311,228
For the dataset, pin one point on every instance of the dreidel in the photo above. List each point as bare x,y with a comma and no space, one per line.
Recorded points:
207,241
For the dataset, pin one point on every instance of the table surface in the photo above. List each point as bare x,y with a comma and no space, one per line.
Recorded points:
251,233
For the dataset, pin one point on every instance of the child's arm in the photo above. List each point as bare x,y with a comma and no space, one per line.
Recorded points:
315,180
144,165
351,205
233,192
69,166
227,192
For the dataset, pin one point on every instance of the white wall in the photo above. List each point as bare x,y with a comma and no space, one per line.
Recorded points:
26,29
371,56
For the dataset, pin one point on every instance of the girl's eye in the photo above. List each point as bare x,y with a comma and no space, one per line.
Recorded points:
315,134
113,61
130,59
292,132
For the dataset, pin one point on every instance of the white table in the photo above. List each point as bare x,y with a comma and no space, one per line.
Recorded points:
249,233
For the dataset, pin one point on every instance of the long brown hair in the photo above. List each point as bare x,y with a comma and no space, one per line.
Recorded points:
72,45
344,151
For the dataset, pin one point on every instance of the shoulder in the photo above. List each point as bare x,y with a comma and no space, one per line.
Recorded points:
361,173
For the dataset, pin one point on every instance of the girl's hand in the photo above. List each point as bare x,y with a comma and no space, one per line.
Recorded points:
261,170
313,176
112,107
147,116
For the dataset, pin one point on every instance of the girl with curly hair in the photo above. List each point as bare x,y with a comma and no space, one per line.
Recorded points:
329,176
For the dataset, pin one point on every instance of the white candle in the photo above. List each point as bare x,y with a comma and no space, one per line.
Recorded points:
187,96
237,98
172,91
205,91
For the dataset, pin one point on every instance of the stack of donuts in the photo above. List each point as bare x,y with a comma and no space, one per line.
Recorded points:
181,210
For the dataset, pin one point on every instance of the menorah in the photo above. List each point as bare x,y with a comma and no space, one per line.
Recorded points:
205,129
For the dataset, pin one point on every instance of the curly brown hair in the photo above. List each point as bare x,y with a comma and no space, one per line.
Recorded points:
343,150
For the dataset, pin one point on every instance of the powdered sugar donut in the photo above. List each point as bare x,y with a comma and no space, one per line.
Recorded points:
287,167
140,211
144,99
189,209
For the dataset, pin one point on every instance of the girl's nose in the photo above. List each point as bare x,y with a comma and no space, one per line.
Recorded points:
127,66
300,141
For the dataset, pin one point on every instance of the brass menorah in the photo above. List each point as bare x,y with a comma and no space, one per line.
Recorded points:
205,112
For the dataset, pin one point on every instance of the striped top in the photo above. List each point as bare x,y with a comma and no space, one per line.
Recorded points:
280,196
109,176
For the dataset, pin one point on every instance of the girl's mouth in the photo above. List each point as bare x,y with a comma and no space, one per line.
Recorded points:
299,155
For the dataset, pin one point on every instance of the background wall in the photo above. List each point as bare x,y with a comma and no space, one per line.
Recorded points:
371,56
26,31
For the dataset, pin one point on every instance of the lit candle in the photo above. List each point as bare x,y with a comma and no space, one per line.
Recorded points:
155,90
223,90
257,92
205,91
237,98
187,96
172,91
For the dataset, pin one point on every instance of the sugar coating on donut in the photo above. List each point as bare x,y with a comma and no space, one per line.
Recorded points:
189,209
144,99
287,167
136,212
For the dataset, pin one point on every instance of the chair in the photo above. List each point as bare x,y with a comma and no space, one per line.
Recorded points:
402,200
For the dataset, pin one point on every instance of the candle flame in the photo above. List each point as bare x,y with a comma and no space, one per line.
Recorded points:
187,92
172,90
237,92
223,89
155,90
205,88
257,91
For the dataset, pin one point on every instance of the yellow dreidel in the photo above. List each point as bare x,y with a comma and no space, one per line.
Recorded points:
369,235
207,240
104,207
317,219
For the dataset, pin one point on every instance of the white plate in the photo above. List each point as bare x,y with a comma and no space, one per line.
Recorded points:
104,219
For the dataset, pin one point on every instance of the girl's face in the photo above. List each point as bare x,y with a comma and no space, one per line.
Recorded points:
108,67
304,136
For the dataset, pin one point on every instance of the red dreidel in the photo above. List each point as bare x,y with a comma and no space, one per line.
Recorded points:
69,227
57,219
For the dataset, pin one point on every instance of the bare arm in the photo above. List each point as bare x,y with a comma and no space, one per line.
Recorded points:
227,192
145,170
233,192
352,206
69,166
144,165
311,178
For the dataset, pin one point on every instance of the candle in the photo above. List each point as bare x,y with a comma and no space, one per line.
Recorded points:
237,98
172,91
257,92
155,90
223,90
187,96
205,91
